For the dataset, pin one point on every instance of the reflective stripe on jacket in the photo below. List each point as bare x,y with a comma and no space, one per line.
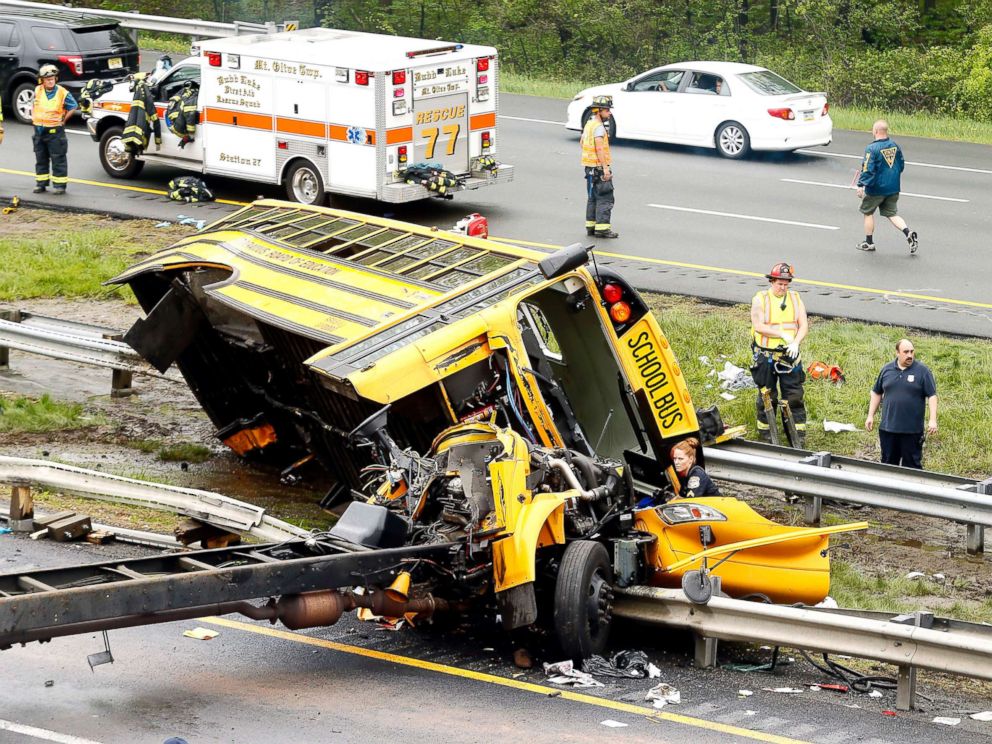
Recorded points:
589,157
47,112
773,314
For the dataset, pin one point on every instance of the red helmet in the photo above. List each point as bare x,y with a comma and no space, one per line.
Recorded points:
781,271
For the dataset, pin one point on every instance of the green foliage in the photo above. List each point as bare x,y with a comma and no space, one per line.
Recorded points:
184,452
32,415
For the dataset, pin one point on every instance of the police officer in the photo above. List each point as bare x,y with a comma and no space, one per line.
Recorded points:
778,326
598,169
53,105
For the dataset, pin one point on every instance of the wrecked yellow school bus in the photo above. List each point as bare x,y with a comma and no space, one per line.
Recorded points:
510,405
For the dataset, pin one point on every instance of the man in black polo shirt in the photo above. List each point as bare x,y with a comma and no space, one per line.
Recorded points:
905,385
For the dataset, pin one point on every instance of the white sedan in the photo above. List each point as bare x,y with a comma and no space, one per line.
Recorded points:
733,107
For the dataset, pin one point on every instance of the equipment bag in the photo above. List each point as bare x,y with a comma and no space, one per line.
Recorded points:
189,189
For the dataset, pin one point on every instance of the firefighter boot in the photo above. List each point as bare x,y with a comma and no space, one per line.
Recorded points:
606,234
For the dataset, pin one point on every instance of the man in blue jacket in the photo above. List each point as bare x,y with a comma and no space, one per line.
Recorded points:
879,186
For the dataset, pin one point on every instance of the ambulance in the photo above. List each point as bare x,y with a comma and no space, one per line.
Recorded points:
324,111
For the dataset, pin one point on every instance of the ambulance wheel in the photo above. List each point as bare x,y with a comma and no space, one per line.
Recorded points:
611,125
733,141
304,184
584,599
115,158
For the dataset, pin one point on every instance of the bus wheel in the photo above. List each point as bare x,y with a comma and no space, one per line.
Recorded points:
305,185
584,599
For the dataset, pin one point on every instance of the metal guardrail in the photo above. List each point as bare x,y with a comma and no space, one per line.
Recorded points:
194,27
822,475
75,342
947,646
206,506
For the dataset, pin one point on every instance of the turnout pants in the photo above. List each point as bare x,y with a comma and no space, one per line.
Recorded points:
790,384
901,449
51,145
599,202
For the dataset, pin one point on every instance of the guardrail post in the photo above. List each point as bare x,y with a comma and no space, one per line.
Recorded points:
14,316
21,507
814,504
976,532
906,689
705,647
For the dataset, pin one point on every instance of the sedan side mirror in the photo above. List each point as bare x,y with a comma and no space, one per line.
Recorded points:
629,85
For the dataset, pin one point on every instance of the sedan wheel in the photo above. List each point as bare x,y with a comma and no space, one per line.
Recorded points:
23,101
732,141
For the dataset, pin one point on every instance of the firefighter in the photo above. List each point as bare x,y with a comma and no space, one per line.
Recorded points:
598,169
53,106
1,125
779,325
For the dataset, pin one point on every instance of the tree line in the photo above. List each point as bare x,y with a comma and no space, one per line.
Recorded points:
903,55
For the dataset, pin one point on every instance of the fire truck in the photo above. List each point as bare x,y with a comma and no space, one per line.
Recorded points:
324,111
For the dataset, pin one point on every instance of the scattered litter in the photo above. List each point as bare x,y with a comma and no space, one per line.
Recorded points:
750,712
837,426
947,720
51,683
705,360
621,664
747,668
201,634
653,672
851,705
733,377
565,673
939,578
728,396
916,575
784,690
164,223
556,693
182,219
985,715
828,603
832,687
890,713
745,693
663,694
610,723
875,693
489,648
5,530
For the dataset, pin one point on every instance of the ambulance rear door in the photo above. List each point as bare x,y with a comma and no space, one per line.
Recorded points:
440,115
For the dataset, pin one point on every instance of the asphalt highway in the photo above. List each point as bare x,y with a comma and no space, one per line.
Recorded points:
689,221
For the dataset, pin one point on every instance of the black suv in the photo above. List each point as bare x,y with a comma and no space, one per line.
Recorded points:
81,46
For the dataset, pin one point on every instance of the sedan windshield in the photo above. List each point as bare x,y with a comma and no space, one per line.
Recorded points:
767,83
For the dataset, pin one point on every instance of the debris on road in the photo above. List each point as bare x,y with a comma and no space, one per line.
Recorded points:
663,694
621,664
201,634
946,720
745,693
837,426
610,723
985,715
784,690
565,673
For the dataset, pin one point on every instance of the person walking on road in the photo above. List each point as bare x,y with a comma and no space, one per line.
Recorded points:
53,105
907,388
778,326
598,169
879,184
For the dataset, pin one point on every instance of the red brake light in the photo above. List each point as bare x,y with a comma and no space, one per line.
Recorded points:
620,312
399,77
74,62
612,293
826,108
398,92
482,64
213,59
361,77
782,113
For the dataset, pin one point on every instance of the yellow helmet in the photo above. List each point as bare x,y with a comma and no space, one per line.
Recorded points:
48,70
602,102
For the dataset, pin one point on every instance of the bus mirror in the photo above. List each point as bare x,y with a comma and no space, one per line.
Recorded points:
562,261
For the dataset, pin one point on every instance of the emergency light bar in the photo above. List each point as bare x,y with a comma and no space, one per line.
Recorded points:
435,50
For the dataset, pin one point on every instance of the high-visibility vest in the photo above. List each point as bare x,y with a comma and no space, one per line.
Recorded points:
589,157
47,112
773,314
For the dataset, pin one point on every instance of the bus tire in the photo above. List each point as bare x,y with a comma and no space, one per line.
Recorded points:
584,599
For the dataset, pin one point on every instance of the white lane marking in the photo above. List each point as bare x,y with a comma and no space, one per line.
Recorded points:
744,217
908,162
39,733
901,193
536,121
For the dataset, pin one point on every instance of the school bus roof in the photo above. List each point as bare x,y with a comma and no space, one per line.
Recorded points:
351,49
359,287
